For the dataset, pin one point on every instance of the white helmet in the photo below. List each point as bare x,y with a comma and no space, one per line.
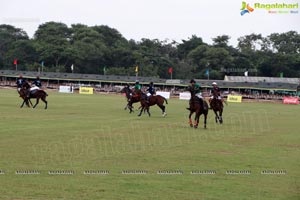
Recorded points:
214,83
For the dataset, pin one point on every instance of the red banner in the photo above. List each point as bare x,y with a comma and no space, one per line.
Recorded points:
15,61
170,70
290,100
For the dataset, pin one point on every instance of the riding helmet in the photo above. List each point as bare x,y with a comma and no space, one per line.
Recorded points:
192,81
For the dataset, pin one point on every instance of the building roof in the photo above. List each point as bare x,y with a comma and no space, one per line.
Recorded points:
251,79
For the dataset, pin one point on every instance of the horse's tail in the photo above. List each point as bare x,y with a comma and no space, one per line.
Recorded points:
165,100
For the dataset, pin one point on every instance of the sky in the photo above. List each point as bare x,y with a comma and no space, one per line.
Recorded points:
154,19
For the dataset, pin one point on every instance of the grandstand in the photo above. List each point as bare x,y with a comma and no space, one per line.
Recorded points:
239,84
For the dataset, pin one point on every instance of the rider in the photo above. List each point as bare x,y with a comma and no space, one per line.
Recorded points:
20,82
37,82
215,92
151,91
137,87
195,89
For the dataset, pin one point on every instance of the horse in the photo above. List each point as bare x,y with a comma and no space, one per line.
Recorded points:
217,106
196,107
153,100
39,94
27,101
131,98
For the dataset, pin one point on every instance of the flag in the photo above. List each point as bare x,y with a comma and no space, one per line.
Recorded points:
246,73
42,63
137,69
15,61
104,69
207,72
170,70
72,67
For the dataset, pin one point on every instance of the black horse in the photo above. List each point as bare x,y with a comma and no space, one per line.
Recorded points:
198,106
26,95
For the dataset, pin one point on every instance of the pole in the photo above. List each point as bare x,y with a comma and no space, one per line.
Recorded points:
208,75
16,67
171,75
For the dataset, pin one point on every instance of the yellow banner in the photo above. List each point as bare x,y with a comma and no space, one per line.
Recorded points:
86,90
234,98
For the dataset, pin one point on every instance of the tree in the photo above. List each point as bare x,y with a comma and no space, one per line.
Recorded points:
52,42
8,36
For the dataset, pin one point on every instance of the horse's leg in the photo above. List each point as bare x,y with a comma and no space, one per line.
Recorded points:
140,114
37,102
148,111
216,116
163,109
44,100
197,116
190,119
27,103
220,116
24,100
30,102
205,118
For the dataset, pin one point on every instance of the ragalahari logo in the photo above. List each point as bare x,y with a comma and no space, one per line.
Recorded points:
246,8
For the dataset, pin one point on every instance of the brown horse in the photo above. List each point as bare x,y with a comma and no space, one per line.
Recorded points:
217,106
132,98
39,94
198,107
153,100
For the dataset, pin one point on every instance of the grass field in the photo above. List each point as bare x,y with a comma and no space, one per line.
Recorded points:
80,132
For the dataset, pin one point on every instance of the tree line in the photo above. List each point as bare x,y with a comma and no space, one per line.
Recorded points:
103,50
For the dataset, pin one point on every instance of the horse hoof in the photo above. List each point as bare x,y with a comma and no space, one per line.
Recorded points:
191,125
195,126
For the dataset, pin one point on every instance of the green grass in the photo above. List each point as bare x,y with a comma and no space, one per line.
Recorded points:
93,132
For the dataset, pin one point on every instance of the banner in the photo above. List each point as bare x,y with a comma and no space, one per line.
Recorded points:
86,90
290,100
234,98
184,96
65,89
164,94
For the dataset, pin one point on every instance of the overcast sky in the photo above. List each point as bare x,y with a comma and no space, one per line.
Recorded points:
153,19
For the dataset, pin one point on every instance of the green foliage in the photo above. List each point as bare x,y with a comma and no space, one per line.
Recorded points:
91,48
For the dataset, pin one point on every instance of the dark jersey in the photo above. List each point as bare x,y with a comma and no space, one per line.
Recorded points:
216,91
151,90
37,82
20,82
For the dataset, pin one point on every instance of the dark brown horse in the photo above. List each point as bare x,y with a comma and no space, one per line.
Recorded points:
39,94
27,101
199,108
217,106
132,98
153,100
